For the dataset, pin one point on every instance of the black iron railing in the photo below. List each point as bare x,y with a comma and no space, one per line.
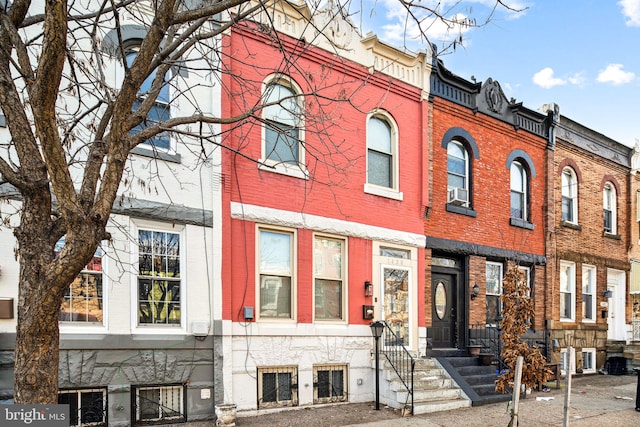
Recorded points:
400,359
489,338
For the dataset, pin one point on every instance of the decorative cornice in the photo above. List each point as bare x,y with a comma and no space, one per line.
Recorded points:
488,98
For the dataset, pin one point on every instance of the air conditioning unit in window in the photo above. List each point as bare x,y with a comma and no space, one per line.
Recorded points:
458,196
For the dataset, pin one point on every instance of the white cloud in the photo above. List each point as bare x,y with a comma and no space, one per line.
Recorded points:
545,79
615,75
631,11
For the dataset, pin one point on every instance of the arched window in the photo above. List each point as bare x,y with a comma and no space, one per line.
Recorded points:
380,152
283,125
519,186
159,112
457,173
569,196
609,205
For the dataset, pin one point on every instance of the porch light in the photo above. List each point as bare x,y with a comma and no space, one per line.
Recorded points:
475,291
368,289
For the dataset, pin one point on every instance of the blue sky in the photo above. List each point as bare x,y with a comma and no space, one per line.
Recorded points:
581,54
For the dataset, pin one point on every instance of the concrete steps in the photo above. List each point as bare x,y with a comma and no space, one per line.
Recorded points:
476,381
433,388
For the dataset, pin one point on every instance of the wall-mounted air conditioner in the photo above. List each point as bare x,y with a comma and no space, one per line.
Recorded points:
458,196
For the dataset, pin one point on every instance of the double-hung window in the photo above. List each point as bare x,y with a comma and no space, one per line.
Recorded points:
160,110
567,290
569,196
276,279
457,173
329,273
283,125
83,301
159,278
494,290
382,156
588,293
609,205
519,191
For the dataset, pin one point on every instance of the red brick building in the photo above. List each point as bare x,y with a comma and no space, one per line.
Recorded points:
587,245
486,211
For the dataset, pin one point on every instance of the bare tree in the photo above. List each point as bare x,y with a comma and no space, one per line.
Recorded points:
73,127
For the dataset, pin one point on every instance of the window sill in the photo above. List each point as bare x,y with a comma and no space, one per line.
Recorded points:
612,236
389,193
589,321
89,329
568,320
462,210
158,330
294,171
517,222
571,225
148,151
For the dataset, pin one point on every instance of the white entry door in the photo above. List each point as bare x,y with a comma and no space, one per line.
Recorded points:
616,281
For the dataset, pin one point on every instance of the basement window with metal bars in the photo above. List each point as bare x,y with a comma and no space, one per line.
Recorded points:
159,403
277,386
330,383
87,407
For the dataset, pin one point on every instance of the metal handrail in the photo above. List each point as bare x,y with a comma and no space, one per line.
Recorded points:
399,358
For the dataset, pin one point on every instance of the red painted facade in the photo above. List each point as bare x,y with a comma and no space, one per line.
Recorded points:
339,96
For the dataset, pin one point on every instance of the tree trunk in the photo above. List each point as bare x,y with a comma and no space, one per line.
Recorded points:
39,300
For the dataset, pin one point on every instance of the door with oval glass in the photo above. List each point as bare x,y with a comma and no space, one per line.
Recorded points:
443,310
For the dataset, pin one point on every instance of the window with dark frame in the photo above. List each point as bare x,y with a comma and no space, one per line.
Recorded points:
87,407
277,387
159,112
159,403
330,383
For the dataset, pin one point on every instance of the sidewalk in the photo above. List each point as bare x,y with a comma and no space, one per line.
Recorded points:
596,401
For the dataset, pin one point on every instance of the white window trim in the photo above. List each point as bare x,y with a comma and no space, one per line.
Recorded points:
162,388
592,351
573,193
594,287
78,392
93,328
572,291
294,273
143,148
379,263
268,165
392,192
345,283
155,329
467,168
498,264
614,206
524,192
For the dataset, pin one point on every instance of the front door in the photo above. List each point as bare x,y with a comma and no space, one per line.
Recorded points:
443,310
616,317
396,304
